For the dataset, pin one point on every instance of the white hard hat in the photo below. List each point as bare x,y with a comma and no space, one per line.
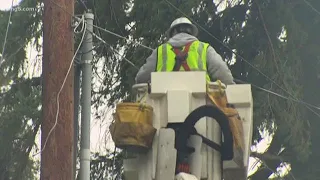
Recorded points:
179,21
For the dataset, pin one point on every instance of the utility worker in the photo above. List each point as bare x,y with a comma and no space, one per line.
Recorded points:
184,52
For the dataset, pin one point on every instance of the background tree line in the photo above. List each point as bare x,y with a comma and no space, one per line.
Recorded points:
277,47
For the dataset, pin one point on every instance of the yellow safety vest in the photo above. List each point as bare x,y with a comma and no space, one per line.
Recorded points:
196,60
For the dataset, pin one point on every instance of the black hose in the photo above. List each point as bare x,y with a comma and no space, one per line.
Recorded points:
187,128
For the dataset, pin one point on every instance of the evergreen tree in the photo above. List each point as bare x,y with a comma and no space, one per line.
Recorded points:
276,43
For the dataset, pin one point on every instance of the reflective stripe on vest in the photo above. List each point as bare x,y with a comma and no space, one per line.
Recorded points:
197,57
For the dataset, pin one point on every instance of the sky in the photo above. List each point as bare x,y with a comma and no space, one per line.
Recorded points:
98,129
6,4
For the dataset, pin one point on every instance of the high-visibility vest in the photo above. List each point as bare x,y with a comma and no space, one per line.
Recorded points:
195,59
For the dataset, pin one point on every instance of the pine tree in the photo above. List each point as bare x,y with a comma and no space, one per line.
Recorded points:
278,38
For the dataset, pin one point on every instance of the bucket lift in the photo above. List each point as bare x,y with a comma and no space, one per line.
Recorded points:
190,136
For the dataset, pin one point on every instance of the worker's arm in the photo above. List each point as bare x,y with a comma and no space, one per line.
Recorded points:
217,68
144,73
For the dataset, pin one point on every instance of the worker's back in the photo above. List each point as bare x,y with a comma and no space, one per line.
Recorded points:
215,66
180,33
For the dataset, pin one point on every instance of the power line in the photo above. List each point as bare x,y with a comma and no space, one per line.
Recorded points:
289,172
279,95
119,36
242,58
103,41
6,35
311,6
58,95
239,81
105,30
305,104
268,91
272,81
97,21
274,93
83,4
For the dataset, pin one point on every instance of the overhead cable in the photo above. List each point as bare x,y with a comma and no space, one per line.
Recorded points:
263,89
308,105
58,95
6,34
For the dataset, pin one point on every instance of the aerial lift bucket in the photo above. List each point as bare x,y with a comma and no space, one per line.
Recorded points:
175,97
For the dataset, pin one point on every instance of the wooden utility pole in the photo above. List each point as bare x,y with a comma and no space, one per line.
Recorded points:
56,157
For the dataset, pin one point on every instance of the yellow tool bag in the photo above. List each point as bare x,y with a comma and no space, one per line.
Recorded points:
132,129
219,98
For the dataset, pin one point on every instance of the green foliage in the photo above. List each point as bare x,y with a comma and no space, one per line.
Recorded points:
291,62
23,28
20,98
107,166
278,61
19,122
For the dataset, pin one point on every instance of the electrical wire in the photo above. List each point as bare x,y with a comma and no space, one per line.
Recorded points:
96,18
267,77
103,41
260,88
268,91
239,81
58,95
264,165
311,6
84,5
285,166
277,94
258,70
6,35
82,27
119,36
115,16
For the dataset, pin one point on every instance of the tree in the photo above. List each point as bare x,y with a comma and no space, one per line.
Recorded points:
20,95
278,38
260,43
19,126
108,166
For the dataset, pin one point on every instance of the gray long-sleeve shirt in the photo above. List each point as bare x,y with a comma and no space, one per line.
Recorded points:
216,67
